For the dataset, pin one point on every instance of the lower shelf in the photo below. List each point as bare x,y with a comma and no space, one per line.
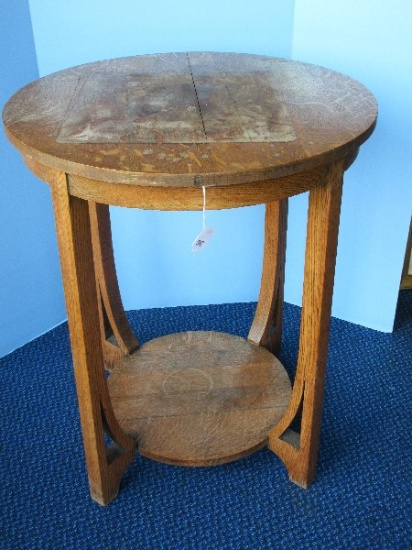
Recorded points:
199,398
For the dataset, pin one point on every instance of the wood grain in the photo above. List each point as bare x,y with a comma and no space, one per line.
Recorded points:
191,198
118,337
150,132
321,243
293,117
266,329
199,398
104,466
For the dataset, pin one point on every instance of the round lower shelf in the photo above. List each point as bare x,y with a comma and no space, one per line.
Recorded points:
199,398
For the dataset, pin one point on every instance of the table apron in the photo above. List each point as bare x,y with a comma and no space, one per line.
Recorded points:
191,198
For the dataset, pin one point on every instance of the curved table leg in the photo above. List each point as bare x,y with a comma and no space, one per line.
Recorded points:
118,337
299,451
266,329
105,465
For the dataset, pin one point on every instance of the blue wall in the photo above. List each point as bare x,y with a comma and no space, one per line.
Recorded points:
31,299
71,32
370,41
156,267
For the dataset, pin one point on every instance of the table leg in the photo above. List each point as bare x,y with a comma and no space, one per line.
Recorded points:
266,329
105,465
118,337
299,451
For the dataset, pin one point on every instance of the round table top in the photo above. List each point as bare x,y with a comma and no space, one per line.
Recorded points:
190,119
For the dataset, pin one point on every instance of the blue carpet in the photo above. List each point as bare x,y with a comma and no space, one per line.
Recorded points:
361,498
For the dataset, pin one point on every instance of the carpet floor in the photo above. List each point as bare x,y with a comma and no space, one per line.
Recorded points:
361,497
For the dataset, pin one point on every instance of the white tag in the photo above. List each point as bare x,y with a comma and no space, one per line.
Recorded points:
203,238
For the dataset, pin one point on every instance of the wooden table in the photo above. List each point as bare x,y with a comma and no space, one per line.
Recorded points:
151,132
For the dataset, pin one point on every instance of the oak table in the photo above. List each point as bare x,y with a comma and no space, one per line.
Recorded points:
155,132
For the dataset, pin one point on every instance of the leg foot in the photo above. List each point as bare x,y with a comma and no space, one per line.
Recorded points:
117,462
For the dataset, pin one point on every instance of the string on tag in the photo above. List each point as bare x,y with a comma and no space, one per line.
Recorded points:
204,206
207,232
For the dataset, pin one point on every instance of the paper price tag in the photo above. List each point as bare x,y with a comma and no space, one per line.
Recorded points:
203,239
